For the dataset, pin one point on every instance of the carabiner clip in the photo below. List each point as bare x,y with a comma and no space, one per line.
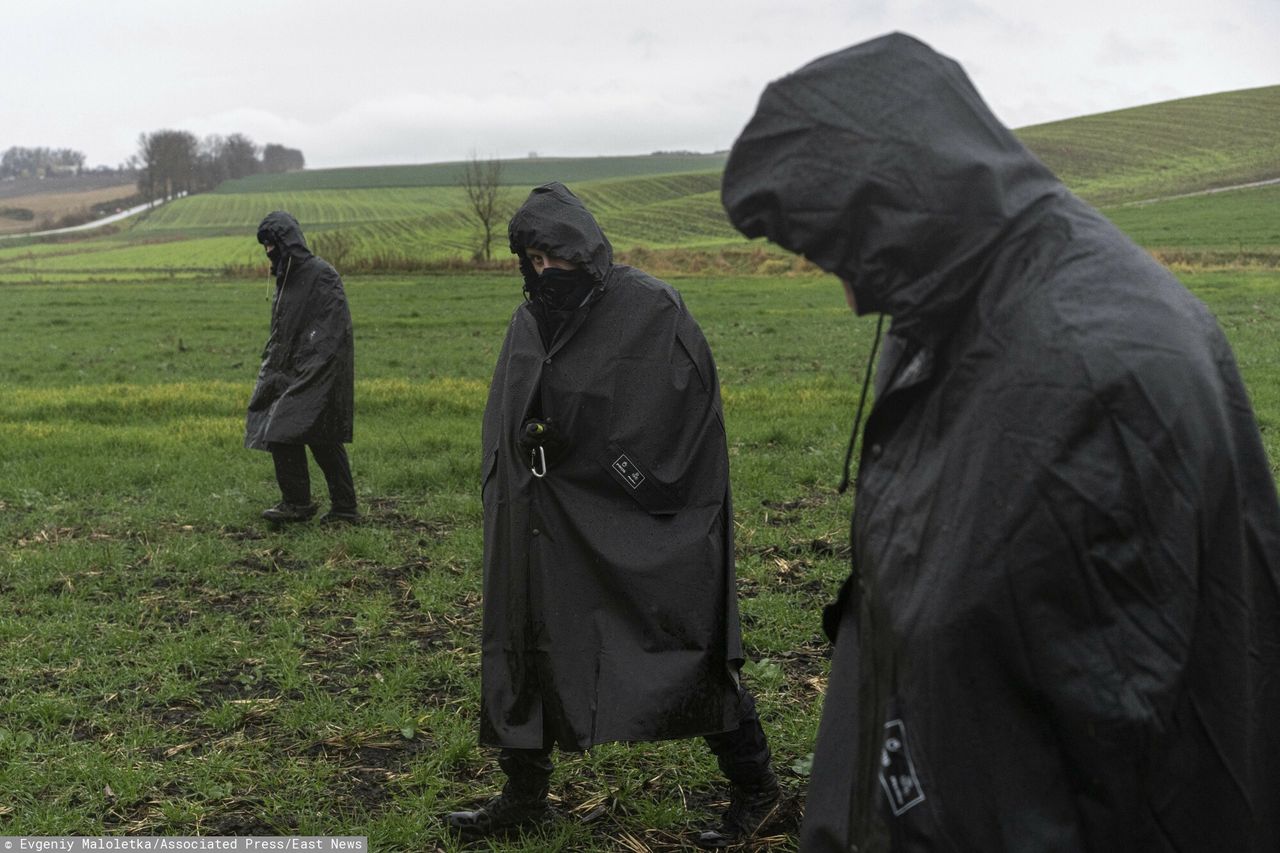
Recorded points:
536,456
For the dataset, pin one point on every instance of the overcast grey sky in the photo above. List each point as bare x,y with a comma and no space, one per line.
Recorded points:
414,81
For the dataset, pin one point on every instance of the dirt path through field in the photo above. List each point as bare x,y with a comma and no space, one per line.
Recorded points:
106,220
1247,186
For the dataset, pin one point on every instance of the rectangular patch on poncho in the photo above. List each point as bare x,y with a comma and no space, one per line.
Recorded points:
631,475
637,480
897,772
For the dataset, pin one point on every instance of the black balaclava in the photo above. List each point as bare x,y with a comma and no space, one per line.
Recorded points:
555,295
273,254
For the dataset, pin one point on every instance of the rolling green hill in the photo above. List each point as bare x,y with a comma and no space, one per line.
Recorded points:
663,210
392,229
1165,149
520,173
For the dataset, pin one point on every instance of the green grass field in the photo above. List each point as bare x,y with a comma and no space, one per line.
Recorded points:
1164,149
172,666
1240,226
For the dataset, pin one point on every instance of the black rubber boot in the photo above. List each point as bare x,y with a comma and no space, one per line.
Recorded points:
745,759
286,513
337,517
522,803
750,808
505,813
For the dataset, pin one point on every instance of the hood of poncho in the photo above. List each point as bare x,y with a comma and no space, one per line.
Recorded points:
554,220
882,165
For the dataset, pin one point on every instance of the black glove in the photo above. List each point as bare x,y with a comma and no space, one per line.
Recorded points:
833,613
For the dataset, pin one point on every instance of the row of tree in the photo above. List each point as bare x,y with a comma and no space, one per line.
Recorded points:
175,162
19,162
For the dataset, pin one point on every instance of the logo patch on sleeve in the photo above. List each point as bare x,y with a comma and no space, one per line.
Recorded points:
897,772
629,472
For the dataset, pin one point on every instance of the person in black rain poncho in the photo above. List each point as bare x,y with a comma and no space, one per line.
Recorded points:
1061,631
609,600
306,386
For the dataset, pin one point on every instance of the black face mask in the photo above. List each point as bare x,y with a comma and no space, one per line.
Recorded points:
562,290
273,255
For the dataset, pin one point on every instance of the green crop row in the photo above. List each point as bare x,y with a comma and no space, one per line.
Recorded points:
318,209
1236,221
1235,227
1165,149
375,230
516,173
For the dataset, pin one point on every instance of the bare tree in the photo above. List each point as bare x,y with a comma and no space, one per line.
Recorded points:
482,179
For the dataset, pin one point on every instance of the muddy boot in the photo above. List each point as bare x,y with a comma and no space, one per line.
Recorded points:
745,759
286,513
750,808
522,803
505,813
337,517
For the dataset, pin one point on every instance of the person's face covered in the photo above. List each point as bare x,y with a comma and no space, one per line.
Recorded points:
542,261
562,284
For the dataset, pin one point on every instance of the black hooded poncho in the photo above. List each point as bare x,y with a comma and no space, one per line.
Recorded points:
306,386
609,600
1061,632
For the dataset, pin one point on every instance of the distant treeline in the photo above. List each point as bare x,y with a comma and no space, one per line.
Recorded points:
19,162
168,163
174,162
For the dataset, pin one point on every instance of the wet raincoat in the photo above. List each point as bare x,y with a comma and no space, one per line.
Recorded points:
306,386
609,608
1061,631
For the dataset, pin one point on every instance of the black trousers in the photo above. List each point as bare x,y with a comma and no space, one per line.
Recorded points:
742,754
295,480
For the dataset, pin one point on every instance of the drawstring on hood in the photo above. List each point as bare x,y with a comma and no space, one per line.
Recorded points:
280,283
862,400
